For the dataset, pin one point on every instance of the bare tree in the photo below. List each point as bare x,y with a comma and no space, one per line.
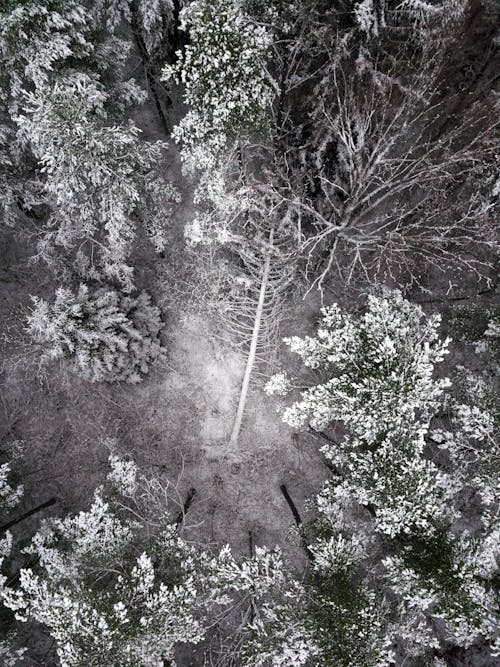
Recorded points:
386,157
255,272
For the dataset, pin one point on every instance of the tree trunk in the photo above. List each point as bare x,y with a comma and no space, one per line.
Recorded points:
253,349
26,515
298,521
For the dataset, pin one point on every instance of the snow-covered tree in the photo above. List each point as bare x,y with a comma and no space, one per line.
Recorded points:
107,598
43,39
36,37
108,337
10,491
372,16
332,619
450,579
377,369
54,55
367,177
10,495
98,179
394,507
153,18
228,89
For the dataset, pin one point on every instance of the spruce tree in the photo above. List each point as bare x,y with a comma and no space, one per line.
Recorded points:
107,336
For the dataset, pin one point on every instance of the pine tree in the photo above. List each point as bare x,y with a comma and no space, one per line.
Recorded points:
42,43
41,40
227,87
107,336
97,179
36,38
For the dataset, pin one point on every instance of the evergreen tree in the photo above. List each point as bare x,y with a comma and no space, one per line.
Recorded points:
227,86
107,336
97,178
40,41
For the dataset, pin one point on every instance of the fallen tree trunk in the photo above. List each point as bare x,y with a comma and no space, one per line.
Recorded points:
187,504
253,348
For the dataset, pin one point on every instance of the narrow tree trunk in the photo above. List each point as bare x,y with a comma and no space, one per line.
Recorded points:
251,547
187,504
148,66
253,349
298,521
26,515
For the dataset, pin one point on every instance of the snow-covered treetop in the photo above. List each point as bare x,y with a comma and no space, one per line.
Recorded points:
399,478
107,336
377,370
35,37
109,598
226,84
152,16
96,176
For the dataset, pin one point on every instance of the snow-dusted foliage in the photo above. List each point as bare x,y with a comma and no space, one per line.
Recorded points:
471,434
137,619
7,182
41,40
372,16
98,179
9,656
489,342
393,512
153,17
227,87
379,368
108,599
333,618
444,580
10,495
279,635
35,38
109,337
